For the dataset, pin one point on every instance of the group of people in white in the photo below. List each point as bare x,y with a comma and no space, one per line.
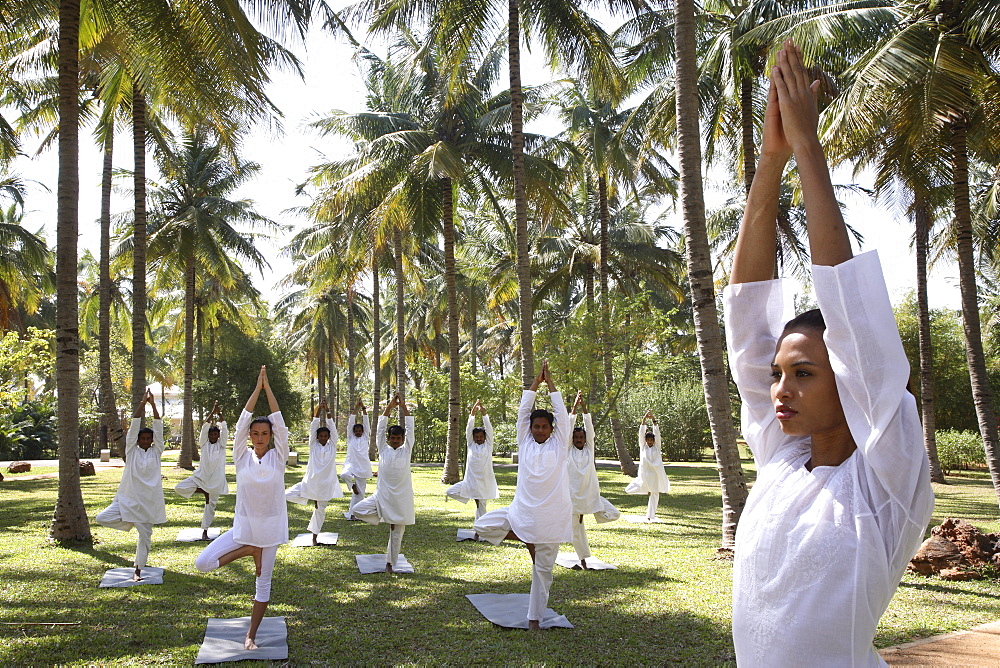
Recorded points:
842,495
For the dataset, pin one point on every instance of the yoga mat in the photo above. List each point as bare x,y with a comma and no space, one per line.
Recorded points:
122,577
224,640
467,534
511,611
324,538
194,535
375,563
570,560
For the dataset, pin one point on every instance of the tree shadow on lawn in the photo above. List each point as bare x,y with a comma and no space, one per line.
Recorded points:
935,586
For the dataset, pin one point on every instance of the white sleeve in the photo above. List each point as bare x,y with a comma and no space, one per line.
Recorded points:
563,428
334,436
524,415
380,427
241,436
350,425
279,432
469,426
223,433
313,426
489,430
367,424
656,437
203,435
588,425
158,442
132,436
411,436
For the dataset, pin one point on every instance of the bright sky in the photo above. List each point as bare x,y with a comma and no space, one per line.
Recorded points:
332,82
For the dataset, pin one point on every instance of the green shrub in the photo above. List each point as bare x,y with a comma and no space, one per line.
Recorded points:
679,406
959,450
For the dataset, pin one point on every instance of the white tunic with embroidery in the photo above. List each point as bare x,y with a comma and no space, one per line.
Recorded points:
320,481
261,517
394,491
479,482
211,472
140,493
652,477
583,485
820,553
356,461
541,511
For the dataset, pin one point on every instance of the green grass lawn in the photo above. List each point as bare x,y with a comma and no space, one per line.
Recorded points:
668,602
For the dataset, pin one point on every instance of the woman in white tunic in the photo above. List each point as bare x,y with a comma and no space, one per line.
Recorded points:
357,465
260,523
652,479
210,476
392,501
584,488
139,501
480,482
319,484
541,510
842,496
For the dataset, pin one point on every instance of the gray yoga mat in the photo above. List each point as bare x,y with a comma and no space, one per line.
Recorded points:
375,563
122,577
326,538
570,560
467,534
511,611
194,535
224,640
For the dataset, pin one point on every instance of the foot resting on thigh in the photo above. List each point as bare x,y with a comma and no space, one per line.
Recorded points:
200,490
257,552
354,488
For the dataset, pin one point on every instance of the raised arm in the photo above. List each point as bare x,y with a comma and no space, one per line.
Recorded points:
252,401
411,429
272,403
588,425
470,424
489,430
392,404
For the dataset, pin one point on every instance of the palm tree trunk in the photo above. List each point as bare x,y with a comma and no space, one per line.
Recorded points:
139,247
376,352
351,396
628,466
746,125
706,317
923,222
520,194
69,521
981,394
474,327
397,248
109,408
320,374
186,459
451,455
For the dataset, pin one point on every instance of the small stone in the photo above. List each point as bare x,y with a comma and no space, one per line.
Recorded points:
935,554
87,468
960,574
19,467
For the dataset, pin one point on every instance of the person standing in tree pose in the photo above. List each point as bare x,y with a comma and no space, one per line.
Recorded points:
139,501
210,476
652,478
584,488
392,501
260,523
540,514
357,465
843,494
479,483
319,484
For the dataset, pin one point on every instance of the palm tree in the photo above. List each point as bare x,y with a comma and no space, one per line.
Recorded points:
25,267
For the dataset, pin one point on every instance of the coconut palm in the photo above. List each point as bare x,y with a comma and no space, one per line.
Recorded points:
25,267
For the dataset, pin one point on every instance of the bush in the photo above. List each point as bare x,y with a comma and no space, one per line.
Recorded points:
959,450
679,407
28,431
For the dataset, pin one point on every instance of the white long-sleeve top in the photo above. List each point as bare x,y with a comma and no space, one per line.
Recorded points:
820,553
479,482
394,490
320,481
541,511
211,472
261,518
356,462
652,477
583,486
140,493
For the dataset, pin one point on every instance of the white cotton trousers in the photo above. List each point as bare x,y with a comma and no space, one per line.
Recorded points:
480,508
111,517
654,501
580,543
351,481
208,560
294,495
367,511
187,488
395,543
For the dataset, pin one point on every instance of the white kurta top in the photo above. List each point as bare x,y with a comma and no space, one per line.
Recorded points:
820,553
394,491
211,472
261,517
320,481
652,477
541,511
356,462
479,481
583,486
140,494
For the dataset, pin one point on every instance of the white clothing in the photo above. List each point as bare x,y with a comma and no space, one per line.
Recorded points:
820,553
584,488
357,465
187,488
320,481
479,481
261,517
395,543
393,497
480,508
541,510
211,472
361,484
580,543
140,493
111,517
208,560
652,477
651,504
294,495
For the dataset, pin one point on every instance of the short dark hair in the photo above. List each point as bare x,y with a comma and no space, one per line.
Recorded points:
650,434
326,429
576,429
396,430
144,430
358,425
478,430
542,413
811,319
214,428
